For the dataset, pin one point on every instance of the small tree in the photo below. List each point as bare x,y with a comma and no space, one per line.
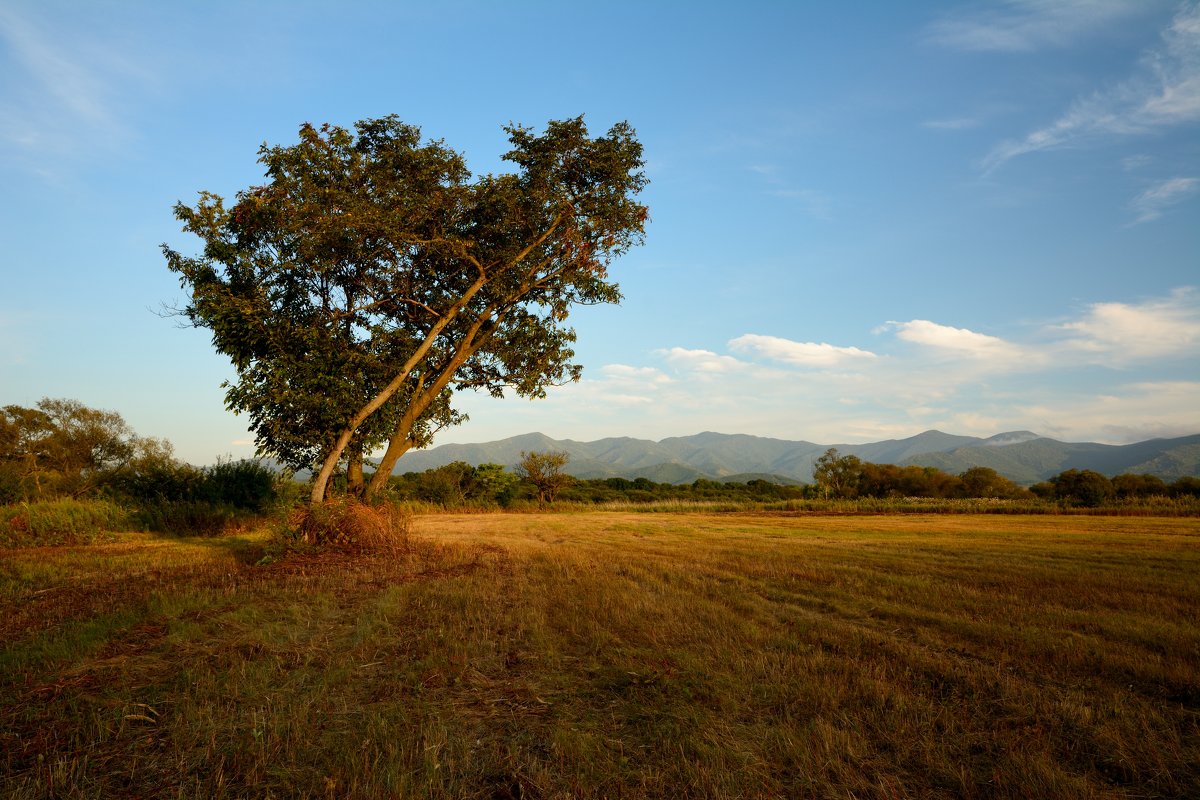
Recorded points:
837,476
1082,487
986,482
63,447
545,472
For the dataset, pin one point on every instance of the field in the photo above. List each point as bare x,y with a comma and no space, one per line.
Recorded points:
614,655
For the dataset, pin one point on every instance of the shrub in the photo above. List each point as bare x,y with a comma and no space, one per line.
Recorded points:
346,523
160,480
245,484
187,517
59,522
1082,487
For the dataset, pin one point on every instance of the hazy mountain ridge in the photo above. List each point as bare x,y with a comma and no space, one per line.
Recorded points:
1022,456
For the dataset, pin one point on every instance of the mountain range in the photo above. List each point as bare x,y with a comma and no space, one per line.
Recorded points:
1021,456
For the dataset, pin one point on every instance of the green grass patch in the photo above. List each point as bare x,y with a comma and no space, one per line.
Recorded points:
59,522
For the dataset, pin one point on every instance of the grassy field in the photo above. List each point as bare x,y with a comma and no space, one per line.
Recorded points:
614,655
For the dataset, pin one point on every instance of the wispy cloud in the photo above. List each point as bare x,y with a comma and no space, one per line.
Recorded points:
814,203
804,354
1164,92
1150,204
65,94
1125,413
1024,25
954,124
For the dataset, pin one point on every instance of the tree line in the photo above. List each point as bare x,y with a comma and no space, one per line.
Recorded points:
848,477
539,477
61,449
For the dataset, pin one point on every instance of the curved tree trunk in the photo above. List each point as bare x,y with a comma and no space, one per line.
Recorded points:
397,447
354,468
321,481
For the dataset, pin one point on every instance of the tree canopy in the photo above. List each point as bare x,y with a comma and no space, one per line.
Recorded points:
64,448
372,274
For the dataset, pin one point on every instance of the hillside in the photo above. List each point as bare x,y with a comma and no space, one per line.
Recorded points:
1022,456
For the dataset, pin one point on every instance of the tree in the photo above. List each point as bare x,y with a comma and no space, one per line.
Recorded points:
1082,487
837,476
63,447
371,275
545,472
1130,485
986,482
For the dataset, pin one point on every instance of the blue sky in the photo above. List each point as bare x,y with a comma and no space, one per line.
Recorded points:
869,219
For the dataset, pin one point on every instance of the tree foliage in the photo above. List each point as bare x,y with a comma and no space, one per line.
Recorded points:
544,471
62,448
372,273
837,475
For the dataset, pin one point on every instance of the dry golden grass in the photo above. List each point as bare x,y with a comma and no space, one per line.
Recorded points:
616,655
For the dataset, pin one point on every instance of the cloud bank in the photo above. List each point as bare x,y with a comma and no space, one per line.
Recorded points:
1113,372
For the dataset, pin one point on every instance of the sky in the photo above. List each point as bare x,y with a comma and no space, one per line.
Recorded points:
868,219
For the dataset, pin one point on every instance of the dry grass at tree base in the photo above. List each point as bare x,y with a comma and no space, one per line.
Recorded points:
350,525
614,655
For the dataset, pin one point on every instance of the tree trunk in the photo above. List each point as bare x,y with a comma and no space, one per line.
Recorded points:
398,446
321,481
354,469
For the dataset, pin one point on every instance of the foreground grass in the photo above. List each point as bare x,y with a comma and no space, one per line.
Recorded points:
615,655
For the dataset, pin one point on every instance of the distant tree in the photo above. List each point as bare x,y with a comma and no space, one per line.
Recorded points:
1131,485
1187,486
371,275
836,475
545,472
63,447
986,482
1082,487
496,484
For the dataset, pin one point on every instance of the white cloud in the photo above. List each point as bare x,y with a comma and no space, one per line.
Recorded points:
624,373
1165,92
959,341
1150,204
1046,378
806,354
1125,413
703,361
1025,25
1121,332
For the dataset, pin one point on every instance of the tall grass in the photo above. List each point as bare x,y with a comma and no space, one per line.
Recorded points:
59,522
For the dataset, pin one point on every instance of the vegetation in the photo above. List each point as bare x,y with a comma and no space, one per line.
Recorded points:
606,655
545,472
370,275
69,474
860,487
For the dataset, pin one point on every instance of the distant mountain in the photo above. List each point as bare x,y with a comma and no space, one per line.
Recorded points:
1022,456
1039,458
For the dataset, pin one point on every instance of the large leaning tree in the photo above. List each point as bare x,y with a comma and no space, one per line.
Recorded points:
372,275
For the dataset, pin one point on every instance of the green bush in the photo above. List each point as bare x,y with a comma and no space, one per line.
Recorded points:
245,484
188,517
59,522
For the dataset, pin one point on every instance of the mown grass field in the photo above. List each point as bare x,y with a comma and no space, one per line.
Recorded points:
614,655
